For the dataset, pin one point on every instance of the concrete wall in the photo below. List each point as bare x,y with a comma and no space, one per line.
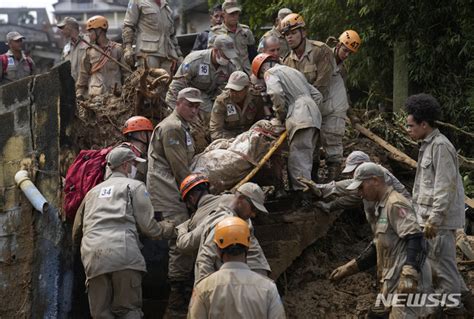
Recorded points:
35,266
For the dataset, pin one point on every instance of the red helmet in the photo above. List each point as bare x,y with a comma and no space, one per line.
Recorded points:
137,124
190,182
258,62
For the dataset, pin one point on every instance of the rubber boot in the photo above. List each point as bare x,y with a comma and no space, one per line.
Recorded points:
178,301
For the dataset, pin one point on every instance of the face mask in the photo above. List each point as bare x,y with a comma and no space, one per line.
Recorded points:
133,174
221,61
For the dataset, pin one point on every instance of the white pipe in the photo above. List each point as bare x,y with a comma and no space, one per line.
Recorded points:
31,192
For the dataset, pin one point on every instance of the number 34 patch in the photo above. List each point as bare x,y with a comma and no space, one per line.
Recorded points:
106,192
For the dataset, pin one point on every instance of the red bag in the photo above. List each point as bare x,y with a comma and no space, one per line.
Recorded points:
85,172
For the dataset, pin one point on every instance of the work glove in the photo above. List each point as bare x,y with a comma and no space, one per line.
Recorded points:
129,56
323,206
344,271
408,282
430,230
310,185
168,230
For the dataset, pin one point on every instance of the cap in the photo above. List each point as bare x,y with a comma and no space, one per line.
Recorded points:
193,95
226,44
14,36
363,172
355,159
120,155
238,80
230,6
68,20
255,194
283,12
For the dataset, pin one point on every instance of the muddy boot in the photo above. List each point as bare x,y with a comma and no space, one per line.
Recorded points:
333,171
467,300
178,300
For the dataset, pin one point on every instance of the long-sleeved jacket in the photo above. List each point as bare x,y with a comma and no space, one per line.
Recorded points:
14,69
198,71
100,75
151,28
208,261
294,99
109,219
228,119
315,64
243,41
438,192
74,52
169,157
236,292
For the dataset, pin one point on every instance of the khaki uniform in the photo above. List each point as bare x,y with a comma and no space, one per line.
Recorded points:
15,69
243,38
297,102
438,197
208,261
109,219
284,47
169,157
99,75
315,64
236,292
190,232
394,219
228,119
74,52
151,28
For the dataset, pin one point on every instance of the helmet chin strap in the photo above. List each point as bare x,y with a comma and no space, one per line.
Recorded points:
301,40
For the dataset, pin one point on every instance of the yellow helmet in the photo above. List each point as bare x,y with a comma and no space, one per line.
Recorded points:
97,22
231,231
291,22
351,40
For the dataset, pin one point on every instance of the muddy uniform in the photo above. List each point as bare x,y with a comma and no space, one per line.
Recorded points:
99,75
189,232
169,157
198,71
151,28
109,219
74,52
208,261
243,39
15,69
252,295
228,119
438,198
392,221
296,102
284,47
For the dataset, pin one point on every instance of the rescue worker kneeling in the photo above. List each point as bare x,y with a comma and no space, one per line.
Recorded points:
108,220
235,291
398,248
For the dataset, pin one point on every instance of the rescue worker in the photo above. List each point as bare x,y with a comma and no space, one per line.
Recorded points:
100,75
75,49
14,64
247,202
398,249
207,70
295,102
109,220
241,34
216,16
275,31
137,134
234,291
315,60
149,24
169,157
271,45
234,110
438,195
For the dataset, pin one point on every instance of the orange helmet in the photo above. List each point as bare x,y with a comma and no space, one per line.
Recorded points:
351,40
137,124
291,22
231,231
190,182
258,62
97,22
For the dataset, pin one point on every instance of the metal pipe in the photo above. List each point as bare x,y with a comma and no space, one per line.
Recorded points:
31,192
